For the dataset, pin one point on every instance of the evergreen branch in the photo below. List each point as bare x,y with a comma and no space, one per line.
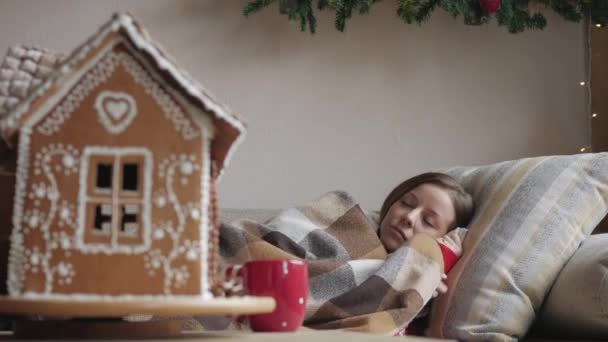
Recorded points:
344,10
406,10
307,16
312,22
255,6
569,11
513,14
365,6
469,9
425,10
537,22
413,11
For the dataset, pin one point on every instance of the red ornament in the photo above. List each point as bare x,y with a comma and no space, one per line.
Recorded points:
489,6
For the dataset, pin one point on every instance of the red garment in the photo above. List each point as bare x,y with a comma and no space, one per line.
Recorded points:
417,326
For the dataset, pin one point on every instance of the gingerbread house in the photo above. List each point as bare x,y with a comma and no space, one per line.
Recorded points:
117,152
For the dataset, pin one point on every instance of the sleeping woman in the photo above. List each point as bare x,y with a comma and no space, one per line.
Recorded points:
430,203
363,276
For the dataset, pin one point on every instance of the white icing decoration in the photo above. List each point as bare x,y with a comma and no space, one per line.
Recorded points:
205,225
40,191
65,272
68,161
186,167
169,171
52,195
159,234
160,201
33,221
38,257
90,80
181,276
64,213
115,110
171,109
195,214
191,255
99,74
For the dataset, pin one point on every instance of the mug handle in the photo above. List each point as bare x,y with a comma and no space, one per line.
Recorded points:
233,285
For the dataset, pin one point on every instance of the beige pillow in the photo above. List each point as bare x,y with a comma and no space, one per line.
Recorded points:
577,305
531,215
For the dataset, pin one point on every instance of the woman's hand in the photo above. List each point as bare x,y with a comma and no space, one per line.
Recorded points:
442,287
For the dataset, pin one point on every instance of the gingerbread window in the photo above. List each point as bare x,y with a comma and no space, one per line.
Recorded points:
114,199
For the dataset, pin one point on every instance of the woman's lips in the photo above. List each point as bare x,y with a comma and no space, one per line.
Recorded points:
399,233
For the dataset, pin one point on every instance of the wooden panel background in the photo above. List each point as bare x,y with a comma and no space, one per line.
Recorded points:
599,95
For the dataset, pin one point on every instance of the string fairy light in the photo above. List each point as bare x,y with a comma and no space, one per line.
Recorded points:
598,25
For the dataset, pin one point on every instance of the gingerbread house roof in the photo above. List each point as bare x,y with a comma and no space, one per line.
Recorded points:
23,69
28,73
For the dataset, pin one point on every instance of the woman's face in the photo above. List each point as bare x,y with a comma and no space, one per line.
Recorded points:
425,209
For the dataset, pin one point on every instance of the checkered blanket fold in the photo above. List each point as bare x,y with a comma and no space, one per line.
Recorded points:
353,283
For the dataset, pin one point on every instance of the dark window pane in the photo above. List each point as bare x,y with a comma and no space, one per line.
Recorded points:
104,176
101,218
129,177
129,218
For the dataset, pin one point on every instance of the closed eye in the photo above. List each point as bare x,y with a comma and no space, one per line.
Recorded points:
407,204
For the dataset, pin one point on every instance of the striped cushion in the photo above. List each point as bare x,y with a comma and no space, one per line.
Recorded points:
531,215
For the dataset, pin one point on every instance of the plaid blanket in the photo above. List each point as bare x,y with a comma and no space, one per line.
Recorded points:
353,283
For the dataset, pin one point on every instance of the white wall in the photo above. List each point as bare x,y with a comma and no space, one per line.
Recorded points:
359,110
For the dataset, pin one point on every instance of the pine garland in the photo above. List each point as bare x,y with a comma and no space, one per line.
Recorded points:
515,15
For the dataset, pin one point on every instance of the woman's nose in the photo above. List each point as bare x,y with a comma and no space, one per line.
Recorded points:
410,218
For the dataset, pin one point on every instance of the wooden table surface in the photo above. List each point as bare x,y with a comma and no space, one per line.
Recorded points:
300,336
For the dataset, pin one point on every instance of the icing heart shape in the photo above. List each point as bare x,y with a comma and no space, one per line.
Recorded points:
115,110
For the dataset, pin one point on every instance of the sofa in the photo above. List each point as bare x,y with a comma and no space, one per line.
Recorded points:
568,315
576,308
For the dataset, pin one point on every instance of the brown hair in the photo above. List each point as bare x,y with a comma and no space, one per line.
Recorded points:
461,200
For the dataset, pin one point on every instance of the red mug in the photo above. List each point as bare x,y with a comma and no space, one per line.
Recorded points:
284,280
